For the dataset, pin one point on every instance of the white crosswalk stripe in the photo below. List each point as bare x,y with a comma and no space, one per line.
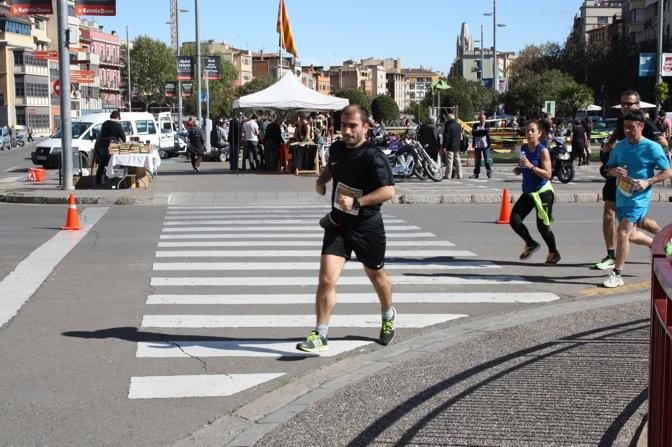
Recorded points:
229,255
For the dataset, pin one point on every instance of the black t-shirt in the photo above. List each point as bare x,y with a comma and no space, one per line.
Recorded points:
365,168
650,130
578,136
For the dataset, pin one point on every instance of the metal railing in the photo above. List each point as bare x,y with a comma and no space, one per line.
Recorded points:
660,360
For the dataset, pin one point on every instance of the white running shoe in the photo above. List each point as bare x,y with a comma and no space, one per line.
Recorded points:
613,280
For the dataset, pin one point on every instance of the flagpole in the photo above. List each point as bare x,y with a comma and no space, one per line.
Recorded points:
280,40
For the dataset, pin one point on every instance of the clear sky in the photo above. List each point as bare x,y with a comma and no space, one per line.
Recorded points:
420,32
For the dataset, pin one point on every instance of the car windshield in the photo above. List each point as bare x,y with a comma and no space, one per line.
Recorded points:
78,128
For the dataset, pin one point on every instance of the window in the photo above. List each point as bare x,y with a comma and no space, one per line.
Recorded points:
128,130
10,26
603,20
19,88
145,127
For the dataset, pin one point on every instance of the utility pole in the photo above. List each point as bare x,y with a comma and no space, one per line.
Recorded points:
64,69
482,59
128,69
495,68
198,67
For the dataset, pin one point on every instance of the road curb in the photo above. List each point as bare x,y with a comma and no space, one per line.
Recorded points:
249,423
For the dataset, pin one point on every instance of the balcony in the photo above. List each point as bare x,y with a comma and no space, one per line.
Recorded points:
110,86
110,61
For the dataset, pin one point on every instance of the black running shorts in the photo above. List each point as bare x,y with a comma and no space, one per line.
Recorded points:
609,190
366,238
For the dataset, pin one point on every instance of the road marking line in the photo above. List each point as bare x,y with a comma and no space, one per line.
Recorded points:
598,290
239,348
12,179
17,287
288,207
301,253
315,266
289,243
12,169
256,216
314,227
318,234
354,298
206,385
274,281
263,220
290,321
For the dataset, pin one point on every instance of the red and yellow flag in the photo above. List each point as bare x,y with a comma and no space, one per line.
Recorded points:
285,30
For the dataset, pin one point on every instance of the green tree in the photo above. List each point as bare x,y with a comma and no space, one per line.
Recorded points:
152,65
384,108
355,96
528,91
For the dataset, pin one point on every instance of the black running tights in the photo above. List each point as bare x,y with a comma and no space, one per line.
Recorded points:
522,208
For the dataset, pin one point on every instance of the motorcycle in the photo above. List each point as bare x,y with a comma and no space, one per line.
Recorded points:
561,160
412,159
20,142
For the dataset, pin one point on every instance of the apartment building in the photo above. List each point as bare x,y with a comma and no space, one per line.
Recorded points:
241,59
268,65
316,78
593,14
24,81
351,75
102,55
419,83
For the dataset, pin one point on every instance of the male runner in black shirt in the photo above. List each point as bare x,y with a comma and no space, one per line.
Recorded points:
362,181
629,102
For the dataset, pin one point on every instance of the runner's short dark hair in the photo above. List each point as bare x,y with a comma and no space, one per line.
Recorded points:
115,115
353,109
635,115
631,92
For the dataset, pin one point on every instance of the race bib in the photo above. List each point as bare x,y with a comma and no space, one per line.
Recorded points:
626,186
347,191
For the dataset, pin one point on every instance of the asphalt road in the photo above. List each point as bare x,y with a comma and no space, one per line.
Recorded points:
84,359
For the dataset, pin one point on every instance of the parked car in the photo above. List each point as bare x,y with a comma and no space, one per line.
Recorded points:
5,141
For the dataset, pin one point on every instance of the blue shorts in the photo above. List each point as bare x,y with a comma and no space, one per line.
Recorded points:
634,215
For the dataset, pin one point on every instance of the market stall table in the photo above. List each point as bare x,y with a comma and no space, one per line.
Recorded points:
306,158
140,165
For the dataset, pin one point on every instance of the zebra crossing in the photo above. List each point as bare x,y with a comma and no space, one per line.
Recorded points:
208,257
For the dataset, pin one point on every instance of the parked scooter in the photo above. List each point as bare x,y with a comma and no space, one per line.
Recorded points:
20,141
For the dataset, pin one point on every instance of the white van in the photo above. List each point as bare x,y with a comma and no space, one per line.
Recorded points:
85,130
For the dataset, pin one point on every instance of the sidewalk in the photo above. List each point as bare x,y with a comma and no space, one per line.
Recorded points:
573,373
216,185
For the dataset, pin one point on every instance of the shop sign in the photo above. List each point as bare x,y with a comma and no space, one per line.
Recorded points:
96,7
26,7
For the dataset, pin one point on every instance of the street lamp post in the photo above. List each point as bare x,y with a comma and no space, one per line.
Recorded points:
495,64
198,65
176,23
481,68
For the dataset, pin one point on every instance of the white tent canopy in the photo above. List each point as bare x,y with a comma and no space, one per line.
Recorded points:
290,93
592,108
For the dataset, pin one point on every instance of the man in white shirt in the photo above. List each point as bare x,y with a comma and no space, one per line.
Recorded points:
251,131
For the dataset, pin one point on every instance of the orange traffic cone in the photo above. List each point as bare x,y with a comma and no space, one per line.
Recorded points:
72,218
505,211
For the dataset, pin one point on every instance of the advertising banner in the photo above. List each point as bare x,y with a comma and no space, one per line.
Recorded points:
169,89
211,67
647,64
96,7
187,89
26,7
667,65
185,68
